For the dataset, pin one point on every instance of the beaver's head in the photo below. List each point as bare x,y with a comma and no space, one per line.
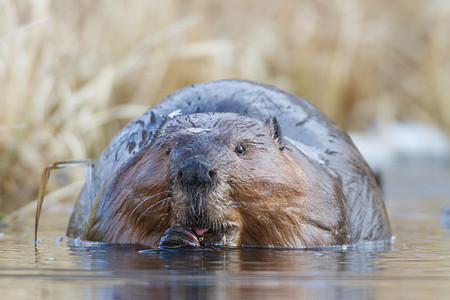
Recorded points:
212,159
229,179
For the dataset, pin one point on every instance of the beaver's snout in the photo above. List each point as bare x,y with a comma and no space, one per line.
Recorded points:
196,173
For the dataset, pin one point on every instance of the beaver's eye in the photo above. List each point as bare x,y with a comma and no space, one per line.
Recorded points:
168,150
240,150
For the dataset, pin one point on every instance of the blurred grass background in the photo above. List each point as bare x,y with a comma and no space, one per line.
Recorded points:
72,73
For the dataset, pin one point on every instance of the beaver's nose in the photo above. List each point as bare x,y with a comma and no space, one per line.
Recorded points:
196,173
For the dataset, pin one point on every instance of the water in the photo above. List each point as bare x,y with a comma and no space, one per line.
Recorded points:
415,266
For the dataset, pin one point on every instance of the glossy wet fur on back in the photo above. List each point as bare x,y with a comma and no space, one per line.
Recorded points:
223,174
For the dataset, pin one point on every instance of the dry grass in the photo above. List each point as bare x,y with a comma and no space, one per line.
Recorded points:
73,72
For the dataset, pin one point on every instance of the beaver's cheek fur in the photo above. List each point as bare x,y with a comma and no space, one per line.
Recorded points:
282,207
134,205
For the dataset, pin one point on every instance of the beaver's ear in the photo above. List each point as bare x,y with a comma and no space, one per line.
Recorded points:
275,131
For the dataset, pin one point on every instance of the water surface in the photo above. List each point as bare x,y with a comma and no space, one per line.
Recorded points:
415,266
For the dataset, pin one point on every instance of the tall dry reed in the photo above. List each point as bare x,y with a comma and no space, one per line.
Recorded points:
73,72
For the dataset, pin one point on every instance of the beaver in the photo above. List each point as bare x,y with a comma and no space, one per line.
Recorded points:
231,163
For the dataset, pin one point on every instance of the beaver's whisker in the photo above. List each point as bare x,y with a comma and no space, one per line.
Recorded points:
153,205
162,219
146,199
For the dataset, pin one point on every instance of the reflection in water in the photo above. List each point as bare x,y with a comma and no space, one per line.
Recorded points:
255,272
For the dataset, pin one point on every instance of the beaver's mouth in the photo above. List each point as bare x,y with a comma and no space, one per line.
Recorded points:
208,236
200,231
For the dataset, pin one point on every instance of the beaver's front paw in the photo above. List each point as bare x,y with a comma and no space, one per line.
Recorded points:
177,236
